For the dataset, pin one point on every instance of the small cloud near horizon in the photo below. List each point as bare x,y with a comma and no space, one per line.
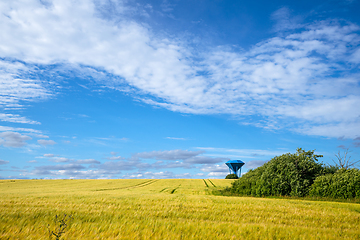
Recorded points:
46,142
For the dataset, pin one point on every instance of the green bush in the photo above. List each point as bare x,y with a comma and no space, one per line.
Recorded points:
231,176
345,183
247,185
285,175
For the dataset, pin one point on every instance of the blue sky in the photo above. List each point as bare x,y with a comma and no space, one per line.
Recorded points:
174,89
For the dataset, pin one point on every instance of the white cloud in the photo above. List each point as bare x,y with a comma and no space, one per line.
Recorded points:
14,88
284,20
73,173
59,159
204,160
168,155
166,6
216,170
53,158
46,142
15,118
157,175
88,161
336,130
49,155
301,77
172,164
118,166
70,166
188,158
29,130
241,153
104,140
181,159
116,158
217,174
13,139
175,138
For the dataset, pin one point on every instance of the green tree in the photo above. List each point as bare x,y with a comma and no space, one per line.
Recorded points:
231,176
344,183
285,175
248,183
290,174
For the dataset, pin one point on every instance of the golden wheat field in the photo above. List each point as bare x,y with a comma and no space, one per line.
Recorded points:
164,209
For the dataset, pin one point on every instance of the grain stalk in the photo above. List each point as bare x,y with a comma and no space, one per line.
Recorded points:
63,223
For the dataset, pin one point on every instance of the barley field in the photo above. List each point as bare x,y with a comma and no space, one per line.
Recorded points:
164,209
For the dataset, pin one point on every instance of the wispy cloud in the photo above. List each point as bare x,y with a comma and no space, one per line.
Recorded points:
29,130
62,167
15,87
305,79
166,6
177,154
49,155
115,158
175,138
241,153
139,163
46,142
60,159
216,170
15,118
158,175
68,160
284,20
88,161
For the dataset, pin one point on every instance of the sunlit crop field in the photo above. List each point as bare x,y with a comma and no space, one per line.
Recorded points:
164,209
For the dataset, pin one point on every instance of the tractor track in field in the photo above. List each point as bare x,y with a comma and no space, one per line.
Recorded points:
173,191
139,185
211,182
208,185
205,183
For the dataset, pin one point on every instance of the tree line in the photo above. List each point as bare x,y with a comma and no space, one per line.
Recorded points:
300,175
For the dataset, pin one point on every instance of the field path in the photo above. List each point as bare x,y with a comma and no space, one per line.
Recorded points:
139,185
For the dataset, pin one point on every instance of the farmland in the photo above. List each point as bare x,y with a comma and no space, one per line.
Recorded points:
164,209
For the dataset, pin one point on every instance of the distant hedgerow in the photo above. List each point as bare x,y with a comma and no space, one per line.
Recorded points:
298,175
285,175
345,183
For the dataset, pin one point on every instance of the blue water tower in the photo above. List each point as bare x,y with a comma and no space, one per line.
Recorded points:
235,166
